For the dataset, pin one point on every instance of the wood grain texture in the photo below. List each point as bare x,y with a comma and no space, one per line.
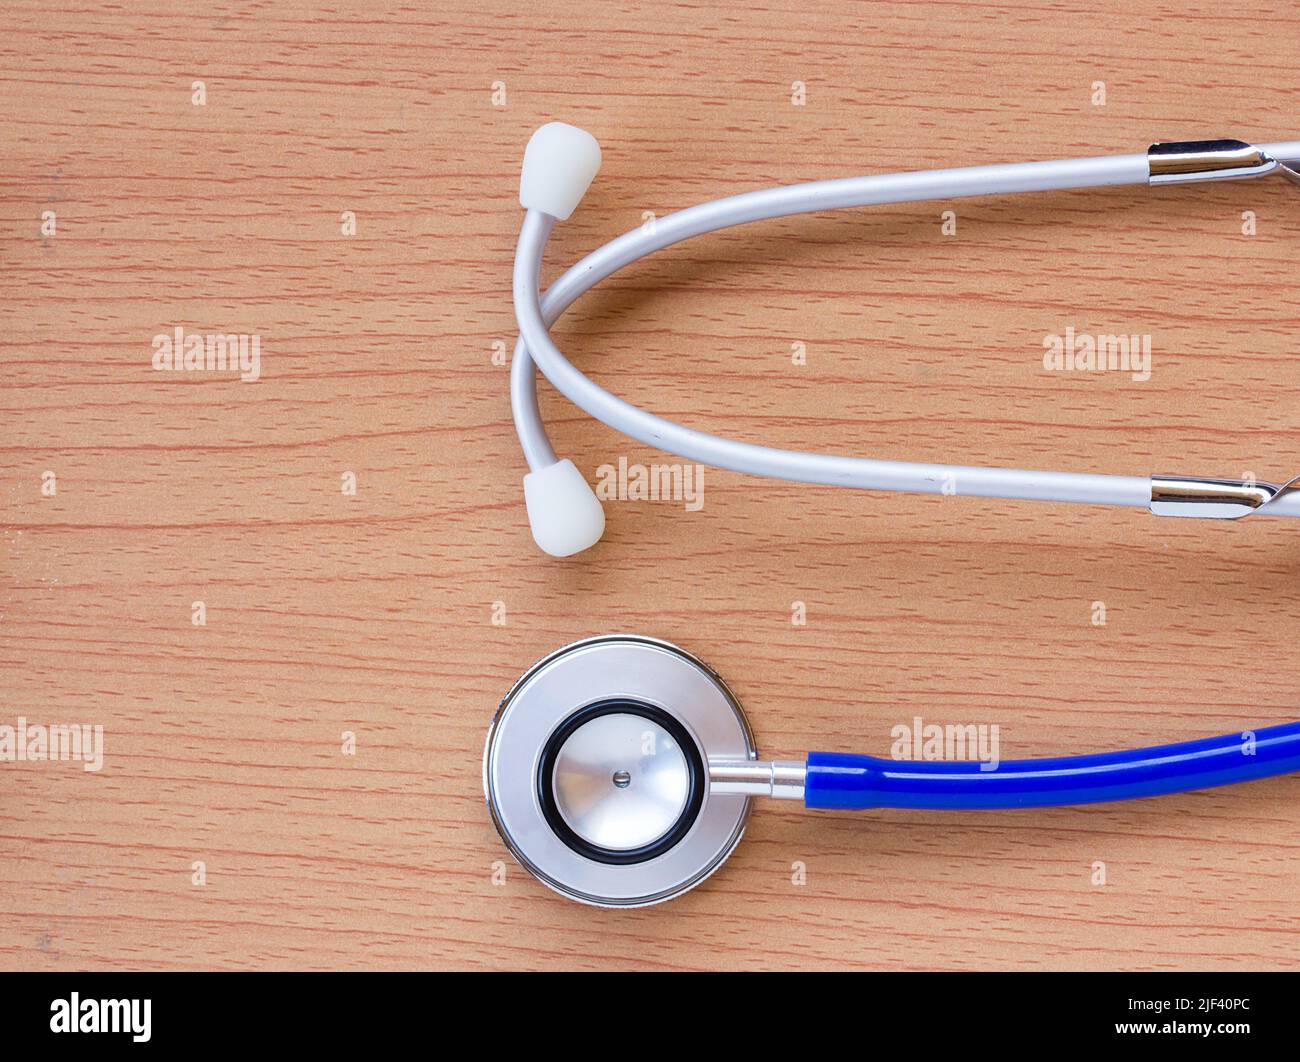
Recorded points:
328,613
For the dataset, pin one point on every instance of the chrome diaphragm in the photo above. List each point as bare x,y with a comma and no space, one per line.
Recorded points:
596,771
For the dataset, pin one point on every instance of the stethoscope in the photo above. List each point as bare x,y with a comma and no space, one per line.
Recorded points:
619,770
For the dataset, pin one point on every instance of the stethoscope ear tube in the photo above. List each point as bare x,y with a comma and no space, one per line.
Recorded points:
840,780
564,513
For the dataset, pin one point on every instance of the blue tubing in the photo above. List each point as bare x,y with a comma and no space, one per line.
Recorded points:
841,780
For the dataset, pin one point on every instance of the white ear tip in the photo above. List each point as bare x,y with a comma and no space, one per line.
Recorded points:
563,510
559,164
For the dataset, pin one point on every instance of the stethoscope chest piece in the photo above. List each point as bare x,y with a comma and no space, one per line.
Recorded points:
619,771
596,771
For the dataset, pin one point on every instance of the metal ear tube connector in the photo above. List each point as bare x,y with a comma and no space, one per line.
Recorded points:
1179,162
1214,499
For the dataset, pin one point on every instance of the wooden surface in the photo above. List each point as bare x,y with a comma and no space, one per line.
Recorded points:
373,614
